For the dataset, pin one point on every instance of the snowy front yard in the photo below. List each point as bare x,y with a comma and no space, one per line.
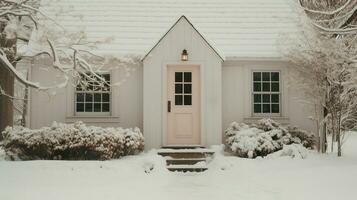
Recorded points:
317,177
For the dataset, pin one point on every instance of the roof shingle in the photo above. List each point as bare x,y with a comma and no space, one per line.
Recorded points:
236,28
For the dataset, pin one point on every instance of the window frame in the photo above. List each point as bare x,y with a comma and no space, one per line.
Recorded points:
94,114
280,93
183,94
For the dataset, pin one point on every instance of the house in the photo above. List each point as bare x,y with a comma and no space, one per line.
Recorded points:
204,64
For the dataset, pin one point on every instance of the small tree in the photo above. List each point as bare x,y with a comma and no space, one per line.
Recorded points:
324,58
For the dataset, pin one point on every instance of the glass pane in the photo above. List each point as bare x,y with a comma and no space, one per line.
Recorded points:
80,97
97,88
275,98
97,97
106,87
266,108
97,107
266,87
275,87
188,100
178,100
89,97
257,87
90,86
89,107
257,98
257,108
80,107
105,97
275,76
275,108
257,76
178,76
106,77
105,107
178,88
266,98
188,76
188,88
79,87
266,76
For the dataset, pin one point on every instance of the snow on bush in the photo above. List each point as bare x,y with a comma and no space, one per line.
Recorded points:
71,142
292,150
263,138
2,153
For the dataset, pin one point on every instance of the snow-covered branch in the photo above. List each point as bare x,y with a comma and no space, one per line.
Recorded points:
332,12
70,54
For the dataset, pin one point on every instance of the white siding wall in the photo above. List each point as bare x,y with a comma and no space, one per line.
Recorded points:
237,94
168,51
46,108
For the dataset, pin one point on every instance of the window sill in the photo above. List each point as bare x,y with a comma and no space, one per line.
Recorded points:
92,119
255,119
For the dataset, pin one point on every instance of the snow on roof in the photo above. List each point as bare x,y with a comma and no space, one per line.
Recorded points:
236,28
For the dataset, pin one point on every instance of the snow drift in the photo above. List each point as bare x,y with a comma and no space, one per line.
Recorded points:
265,137
71,142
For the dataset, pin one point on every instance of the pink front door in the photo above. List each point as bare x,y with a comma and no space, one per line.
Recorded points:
183,105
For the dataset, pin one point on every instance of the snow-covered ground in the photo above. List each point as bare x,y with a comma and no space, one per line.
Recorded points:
316,177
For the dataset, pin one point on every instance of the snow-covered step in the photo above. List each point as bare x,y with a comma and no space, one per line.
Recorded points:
186,153
187,160
187,168
184,161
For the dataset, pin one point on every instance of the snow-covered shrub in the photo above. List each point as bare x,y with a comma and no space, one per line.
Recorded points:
2,153
263,138
293,150
71,142
306,139
134,142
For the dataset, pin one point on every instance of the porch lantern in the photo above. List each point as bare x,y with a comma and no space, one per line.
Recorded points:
184,55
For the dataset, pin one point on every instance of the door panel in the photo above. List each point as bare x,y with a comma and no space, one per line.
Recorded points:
183,100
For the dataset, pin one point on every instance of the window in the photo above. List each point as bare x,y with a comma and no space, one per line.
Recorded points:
183,88
93,95
266,92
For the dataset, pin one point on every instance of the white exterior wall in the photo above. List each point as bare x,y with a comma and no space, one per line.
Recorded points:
237,94
168,51
126,100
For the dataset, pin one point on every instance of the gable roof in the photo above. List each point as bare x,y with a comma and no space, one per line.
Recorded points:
183,17
235,28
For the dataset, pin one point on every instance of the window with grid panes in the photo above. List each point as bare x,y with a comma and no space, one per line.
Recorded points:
183,88
93,95
266,92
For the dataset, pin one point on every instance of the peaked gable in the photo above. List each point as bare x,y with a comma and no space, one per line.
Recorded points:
183,17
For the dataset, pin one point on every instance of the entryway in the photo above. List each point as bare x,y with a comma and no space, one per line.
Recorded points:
183,106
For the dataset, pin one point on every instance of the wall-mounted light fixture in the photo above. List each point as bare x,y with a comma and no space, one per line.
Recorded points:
184,55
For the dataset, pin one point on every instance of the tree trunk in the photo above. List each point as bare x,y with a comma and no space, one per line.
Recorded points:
25,103
323,141
333,133
339,151
6,82
332,140
6,109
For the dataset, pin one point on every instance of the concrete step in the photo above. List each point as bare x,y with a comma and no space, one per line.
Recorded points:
184,161
186,168
186,153
187,160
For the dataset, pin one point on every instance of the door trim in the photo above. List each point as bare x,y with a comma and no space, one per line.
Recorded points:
164,103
